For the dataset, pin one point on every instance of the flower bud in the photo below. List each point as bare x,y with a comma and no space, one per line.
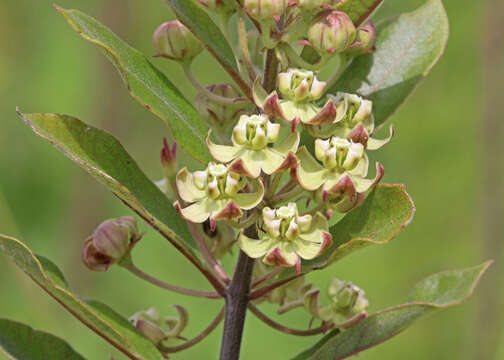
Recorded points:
338,153
218,114
364,41
266,9
331,32
111,241
174,41
255,131
347,298
300,85
169,158
157,328
220,6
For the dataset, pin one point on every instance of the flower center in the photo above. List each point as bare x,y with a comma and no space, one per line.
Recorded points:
338,154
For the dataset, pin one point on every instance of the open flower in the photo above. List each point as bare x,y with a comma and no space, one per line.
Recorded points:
348,304
356,123
216,194
299,89
286,237
341,175
250,152
160,329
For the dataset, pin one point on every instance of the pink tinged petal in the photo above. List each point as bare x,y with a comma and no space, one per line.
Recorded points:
298,266
249,201
239,167
228,212
289,162
325,116
364,185
374,144
345,187
311,303
359,135
307,172
270,161
222,153
255,248
187,188
93,259
283,255
272,107
197,212
302,91
295,124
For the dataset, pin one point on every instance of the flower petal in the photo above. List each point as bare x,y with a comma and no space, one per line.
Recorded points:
249,201
362,167
325,116
186,187
197,212
226,210
284,254
223,153
289,145
255,248
271,161
363,185
245,166
374,144
308,173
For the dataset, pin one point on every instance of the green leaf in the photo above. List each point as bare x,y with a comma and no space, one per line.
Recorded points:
147,84
407,48
101,155
98,317
202,26
438,291
385,213
21,342
359,10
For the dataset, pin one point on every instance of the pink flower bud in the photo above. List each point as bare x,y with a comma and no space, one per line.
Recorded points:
331,32
169,158
174,41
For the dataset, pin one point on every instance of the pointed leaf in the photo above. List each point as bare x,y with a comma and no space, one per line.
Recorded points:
101,155
115,329
359,10
21,342
146,84
407,48
202,26
384,213
440,290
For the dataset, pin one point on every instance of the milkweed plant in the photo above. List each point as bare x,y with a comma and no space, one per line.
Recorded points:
284,184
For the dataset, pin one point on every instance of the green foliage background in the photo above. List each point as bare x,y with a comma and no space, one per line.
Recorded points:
53,205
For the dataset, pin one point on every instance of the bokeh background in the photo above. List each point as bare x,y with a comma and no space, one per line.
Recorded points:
448,152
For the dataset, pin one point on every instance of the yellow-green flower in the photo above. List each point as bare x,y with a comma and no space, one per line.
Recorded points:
216,194
250,152
285,237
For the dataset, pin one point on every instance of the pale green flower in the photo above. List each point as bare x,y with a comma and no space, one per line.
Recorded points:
341,177
300,85
250,152
216,194
160,329
356,123
285,237
348,304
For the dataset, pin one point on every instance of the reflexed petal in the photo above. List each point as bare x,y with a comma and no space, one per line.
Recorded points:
197,212
374,144
226,210
327,115
289,145
309,174
251,168
304,111
284,254
362,167
259,93
255,248
308,249
249,201
223,153
187,188
363,185
311,302
271,161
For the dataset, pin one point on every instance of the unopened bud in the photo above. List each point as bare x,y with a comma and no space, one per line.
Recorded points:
169,158
111,241
174,41
217,114
347,298
364,41
266,9
331,32
220,6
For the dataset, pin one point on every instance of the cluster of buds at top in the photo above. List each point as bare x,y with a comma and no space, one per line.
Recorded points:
250,153
160,329
224,7
174,41
219,115
111,242
348,304
365,40
266,9
216,193
340,181
285,237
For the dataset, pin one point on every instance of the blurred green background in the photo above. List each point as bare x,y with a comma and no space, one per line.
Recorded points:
447,150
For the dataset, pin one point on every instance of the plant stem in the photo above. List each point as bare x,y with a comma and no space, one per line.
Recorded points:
270,71
243,44
298,61
280,198
237,300
164,285
270,322
269,288
197,339
267,276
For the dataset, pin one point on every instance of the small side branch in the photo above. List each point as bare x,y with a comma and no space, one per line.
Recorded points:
256,294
